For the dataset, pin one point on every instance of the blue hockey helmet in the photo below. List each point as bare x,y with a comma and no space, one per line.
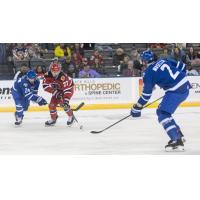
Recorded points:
31,76
147,56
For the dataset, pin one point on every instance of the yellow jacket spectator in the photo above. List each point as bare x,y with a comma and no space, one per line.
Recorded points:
61,52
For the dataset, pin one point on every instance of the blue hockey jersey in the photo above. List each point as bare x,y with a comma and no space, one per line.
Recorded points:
22,88
168,74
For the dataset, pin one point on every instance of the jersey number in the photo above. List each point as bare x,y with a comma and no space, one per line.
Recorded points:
174,76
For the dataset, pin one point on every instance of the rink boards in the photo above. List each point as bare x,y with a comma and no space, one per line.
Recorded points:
102,93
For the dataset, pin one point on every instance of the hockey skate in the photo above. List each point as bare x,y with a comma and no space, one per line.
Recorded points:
71,120
18,120
182,137
175,146
51,122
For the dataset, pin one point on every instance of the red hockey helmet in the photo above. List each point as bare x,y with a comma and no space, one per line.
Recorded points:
55,69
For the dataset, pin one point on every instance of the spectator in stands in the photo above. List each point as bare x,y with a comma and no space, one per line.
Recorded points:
40,71
135,55
23,70
137,68
96,55
77,48
20,53
72,71
178,54
84,62
190,55
191,71
76,60
157,45
87,72
61,51
196,61
165,54
35,52
98,66
9,55
2,53
102,47
118,57
124,64
46,46
129,71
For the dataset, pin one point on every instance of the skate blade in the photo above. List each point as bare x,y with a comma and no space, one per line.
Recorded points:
46,125
178,149
18,126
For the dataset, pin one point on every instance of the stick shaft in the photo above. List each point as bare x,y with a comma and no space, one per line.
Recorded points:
125,117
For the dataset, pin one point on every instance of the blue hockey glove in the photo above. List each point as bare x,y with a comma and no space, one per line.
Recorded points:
41,101
136,110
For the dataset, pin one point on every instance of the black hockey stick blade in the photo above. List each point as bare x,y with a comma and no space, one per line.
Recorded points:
79,106
95,132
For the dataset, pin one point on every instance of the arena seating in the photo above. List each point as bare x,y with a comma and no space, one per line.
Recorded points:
7,72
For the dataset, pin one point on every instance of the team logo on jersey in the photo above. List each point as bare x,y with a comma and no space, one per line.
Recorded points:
62,78
25,85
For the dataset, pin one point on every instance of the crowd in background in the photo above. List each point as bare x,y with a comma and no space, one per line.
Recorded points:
78,65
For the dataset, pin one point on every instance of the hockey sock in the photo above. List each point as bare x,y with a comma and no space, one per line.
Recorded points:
168,124
19,112
53,114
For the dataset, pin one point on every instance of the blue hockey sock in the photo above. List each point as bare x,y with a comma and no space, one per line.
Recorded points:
19,111
171,128
168,123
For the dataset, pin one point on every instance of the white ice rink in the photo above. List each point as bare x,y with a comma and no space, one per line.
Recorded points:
132,136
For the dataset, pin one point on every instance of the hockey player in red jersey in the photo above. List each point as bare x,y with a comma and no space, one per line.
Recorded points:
61,86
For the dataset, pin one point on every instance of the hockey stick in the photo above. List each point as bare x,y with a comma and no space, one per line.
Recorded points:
95,132
80,126
75,109
79,107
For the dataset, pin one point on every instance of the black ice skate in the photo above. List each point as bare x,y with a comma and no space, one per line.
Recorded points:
18,120
51,122
17,123
182,137
175,146
71,120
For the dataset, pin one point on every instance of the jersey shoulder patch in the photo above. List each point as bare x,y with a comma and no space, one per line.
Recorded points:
62,78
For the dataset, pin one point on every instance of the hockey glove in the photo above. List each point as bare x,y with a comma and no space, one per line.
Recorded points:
136,110
41,101
54,86
66,105
58,94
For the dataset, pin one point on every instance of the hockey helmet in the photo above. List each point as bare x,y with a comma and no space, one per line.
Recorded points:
55,69
147,56
31,76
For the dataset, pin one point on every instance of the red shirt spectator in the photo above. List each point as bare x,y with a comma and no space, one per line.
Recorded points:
77,48
96,55
40,72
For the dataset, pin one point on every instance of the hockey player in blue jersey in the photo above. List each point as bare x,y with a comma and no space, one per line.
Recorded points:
169,75
24,90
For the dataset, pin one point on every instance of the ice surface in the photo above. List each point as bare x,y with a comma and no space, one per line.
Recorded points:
132,136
